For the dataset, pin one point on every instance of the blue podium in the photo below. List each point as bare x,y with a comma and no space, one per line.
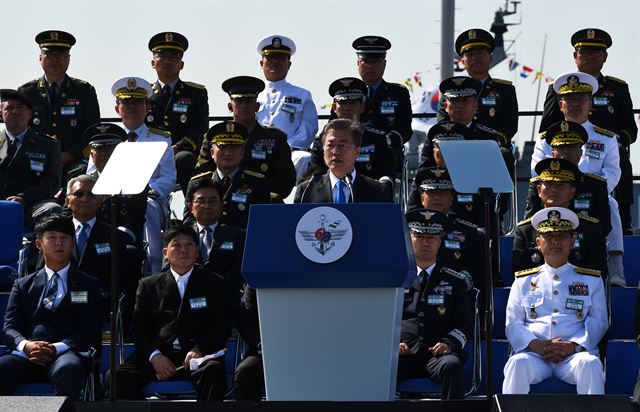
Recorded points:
330,282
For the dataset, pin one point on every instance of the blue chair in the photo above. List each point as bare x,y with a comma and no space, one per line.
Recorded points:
506,247
622,362
500,297
10,240
500,354
623,302
631,260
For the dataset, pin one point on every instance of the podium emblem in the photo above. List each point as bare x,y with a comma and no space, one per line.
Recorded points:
323,234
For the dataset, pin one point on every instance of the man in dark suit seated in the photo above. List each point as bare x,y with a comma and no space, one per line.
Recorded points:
52,316
180,314
221,245
436,318
341,141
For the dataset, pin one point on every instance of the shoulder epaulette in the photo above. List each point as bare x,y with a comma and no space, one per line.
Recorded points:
466,223
201,175
535,179
30,82
524,222
588,218
195,85
507,82
273,129
254,174
542,135
615,79
164,133
590,272
591,175
45,136
526,272
372,130
604,131
454,273
486,128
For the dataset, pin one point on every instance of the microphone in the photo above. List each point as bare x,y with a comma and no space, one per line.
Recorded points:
349,181
307,188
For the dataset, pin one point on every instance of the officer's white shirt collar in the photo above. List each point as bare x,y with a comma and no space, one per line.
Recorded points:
375,86
181,281
78,224
140,130
280,84
59,84
588,126
429,270
561,270
231,175
484,79
172,85
469,124
335,180
19,136
212,226
63,273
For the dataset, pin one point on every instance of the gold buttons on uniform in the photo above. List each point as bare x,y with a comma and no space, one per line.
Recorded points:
224,213
555,277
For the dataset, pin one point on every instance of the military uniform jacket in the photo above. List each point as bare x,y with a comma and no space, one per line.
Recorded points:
461,249
589,249
201,318
291,109
497,108
34,172
266,152
76,320
131,210
225,258
75,109
376,157
437,312
566,302
245,190
318,190
389,110
185,115
591,198
600,155
612,109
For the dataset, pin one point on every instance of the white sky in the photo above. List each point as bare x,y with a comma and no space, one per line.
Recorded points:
112,39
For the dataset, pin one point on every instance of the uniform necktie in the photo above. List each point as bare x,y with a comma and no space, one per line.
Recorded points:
131,136
166,94
83,235
207,243
181,285
371,93
12,147
339,196
423,278
53,93
52,292
226,182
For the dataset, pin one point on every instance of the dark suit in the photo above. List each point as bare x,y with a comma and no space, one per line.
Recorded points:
186,115
249,375
244,191
589,249
266,152
130,214
75,322
612,110
75,109
389,110
365,190
436,312
160,317
497,108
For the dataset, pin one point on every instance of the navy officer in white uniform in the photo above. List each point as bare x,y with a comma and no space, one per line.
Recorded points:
556,314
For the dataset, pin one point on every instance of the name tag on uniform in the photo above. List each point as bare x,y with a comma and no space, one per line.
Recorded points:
198,303
488,101
600,101
103,248
36,166
180,108
226,246
435,300
592,153
533,298
452,244
258,154
465,198
289,108
68,110
79,296
581,204
363,158
574,304
388,107
239,198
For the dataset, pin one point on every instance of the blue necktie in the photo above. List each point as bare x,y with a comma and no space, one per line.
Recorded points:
206,244
340,197
52,291
83,235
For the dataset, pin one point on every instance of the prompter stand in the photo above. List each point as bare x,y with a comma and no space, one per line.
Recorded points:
127,172
477,166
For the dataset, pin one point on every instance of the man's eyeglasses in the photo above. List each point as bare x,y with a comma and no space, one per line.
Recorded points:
208,202
82,193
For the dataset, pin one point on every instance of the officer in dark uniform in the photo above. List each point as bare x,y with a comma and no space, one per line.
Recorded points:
103,139
591,198
558,178
376,157
612,109
436,317
497,102
242,188
63,107
29,162
266,151
176,106
388,105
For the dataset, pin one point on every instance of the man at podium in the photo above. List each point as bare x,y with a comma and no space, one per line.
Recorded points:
341,143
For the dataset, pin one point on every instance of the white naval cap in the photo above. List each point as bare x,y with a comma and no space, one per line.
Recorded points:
555,219
276,43
575,82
